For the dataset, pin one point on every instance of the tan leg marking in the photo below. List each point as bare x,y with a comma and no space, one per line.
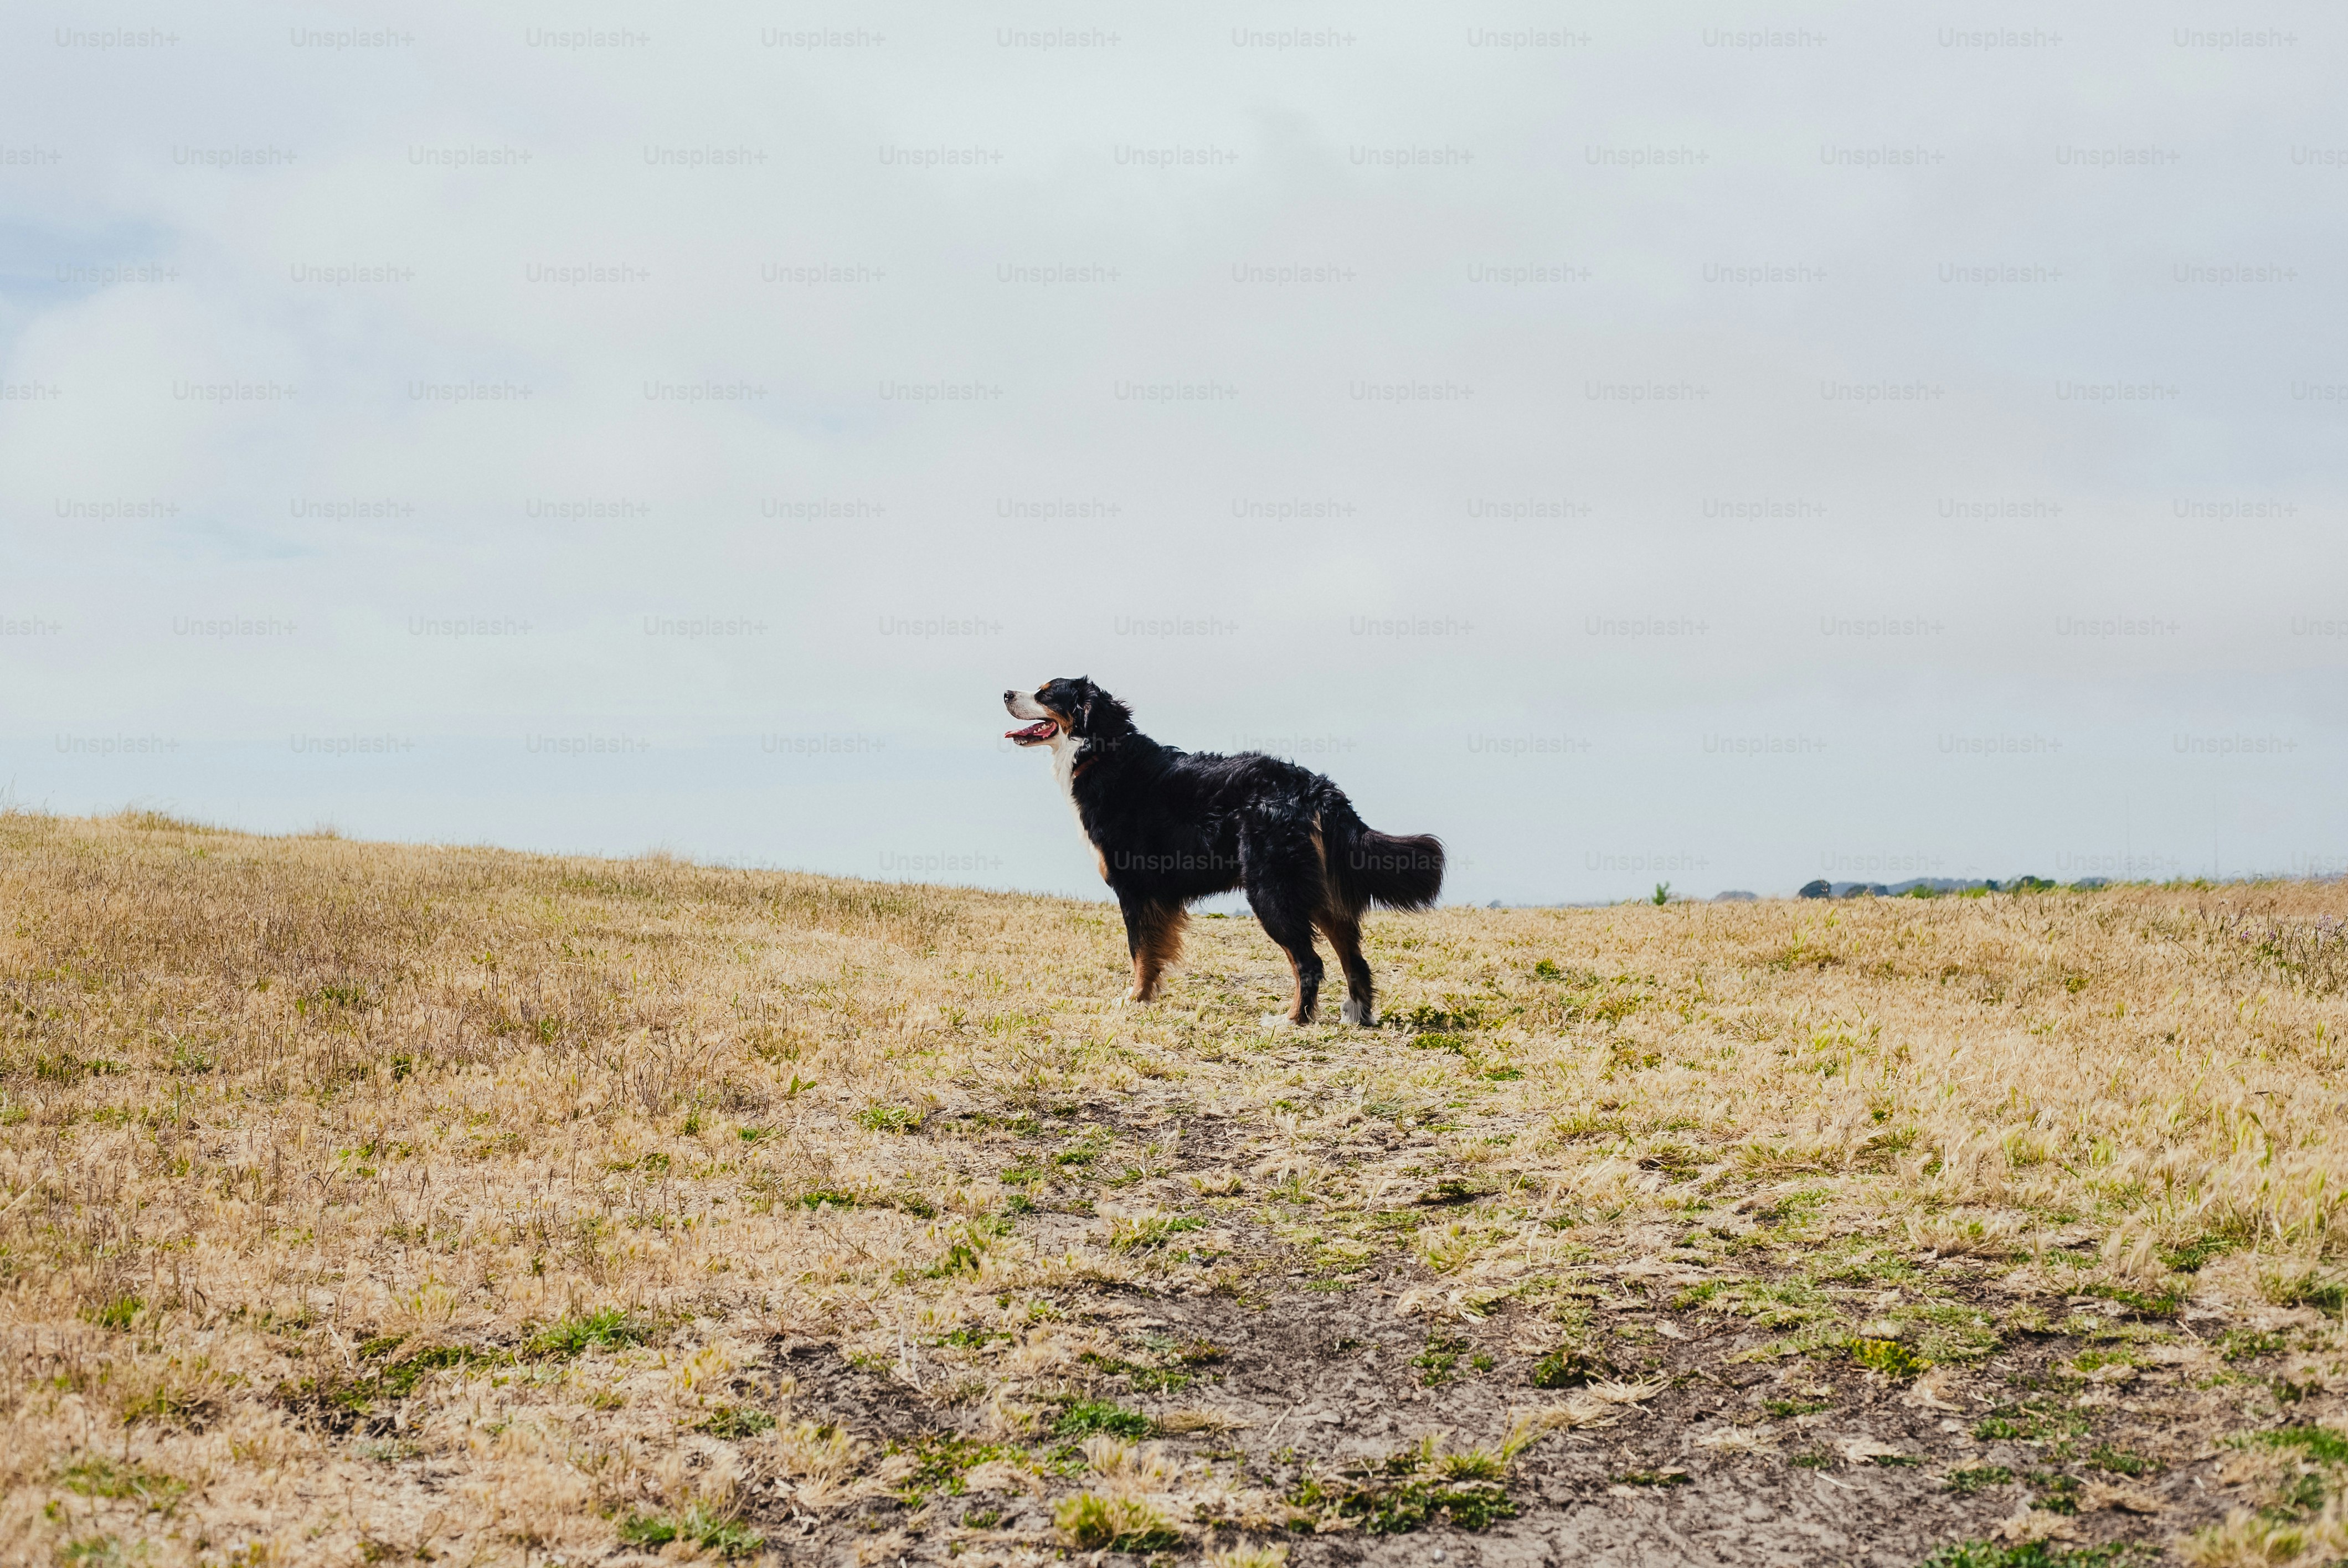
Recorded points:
1160,947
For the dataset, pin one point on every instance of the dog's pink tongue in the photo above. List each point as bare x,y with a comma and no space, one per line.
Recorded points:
1041,731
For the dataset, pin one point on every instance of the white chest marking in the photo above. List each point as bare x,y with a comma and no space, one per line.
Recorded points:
1065,751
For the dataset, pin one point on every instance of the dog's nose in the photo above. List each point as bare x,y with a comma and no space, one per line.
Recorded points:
1007,696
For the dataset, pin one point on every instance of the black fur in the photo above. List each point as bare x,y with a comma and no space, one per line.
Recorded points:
1171,826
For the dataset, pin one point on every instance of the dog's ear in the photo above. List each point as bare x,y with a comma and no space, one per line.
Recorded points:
1084,694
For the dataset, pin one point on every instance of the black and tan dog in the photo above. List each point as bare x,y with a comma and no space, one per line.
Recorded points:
1168,826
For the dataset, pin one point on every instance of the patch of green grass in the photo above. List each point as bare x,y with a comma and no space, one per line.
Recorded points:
1888,1357
99,1476
2053,1491
1569,1368
93,1551
696,1524
1091,1522
2156,1304
1411,1489
2248,1343
2188,1257
1087,1417
1815,1458
2288,1392
940,1460
888,1119
2035,1420
1771,1304
1158,1380
341,1399
1149,1234
1467,1464
1864,1265
1146,1380
117,1313
399,1380
1452,1016
1975,1477
735,1422
2321,1444
1793,1214
1439,1359
1653,1478
1786,1409
961,1258
606,1330
2299,1496
2322,1292
2119,1460
1955,1331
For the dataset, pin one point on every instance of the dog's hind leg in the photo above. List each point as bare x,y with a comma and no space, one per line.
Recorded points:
1295,939
1346,937
1153,935
1282,889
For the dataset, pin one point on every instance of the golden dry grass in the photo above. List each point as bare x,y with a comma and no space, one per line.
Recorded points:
360,1201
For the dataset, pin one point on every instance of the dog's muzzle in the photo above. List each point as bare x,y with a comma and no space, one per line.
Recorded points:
1023,706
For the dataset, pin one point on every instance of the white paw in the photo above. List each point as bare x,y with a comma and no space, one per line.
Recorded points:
1353,1012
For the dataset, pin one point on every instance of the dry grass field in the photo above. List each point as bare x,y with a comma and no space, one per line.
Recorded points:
372,1203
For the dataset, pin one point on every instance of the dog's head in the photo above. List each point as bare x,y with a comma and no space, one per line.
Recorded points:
1064,708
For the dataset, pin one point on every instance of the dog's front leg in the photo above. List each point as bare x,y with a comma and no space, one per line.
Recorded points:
1153,936
1136,944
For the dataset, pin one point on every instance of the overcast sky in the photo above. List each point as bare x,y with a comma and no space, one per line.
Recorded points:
1638,443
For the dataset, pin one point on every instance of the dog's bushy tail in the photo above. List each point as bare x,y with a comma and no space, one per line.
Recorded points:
1401,871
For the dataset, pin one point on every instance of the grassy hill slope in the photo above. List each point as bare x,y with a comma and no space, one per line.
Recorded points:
365,1203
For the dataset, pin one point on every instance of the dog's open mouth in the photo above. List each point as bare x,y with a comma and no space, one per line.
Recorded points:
1034,734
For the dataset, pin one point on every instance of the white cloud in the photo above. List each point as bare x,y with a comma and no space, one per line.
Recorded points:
1902,396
